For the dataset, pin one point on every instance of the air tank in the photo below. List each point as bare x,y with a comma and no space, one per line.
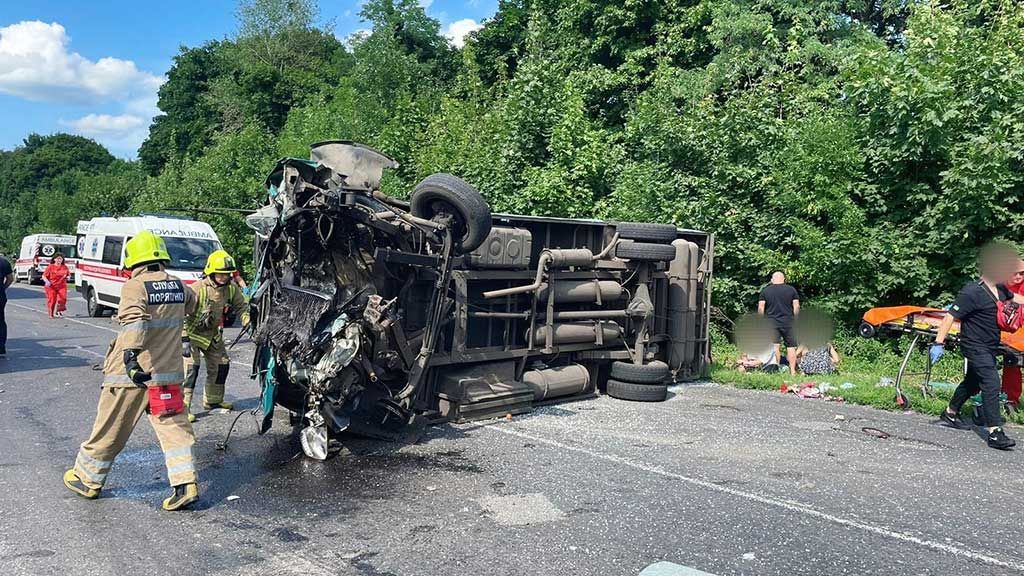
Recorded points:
555,382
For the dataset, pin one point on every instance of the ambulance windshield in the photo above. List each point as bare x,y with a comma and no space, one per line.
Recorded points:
189,253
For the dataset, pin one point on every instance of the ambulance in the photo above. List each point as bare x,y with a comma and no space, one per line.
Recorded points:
101,271
36,252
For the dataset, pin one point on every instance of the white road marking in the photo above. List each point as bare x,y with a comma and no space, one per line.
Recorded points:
38,311
789,505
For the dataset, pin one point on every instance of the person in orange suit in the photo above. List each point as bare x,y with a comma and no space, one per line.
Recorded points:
55,278
1011,367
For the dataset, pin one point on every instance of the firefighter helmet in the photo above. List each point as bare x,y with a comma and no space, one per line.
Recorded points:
145,248
220,262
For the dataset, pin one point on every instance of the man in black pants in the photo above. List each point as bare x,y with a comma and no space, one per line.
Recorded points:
976,309
781,303
6,279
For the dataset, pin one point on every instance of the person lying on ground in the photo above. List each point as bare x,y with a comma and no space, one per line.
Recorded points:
817,360
766,361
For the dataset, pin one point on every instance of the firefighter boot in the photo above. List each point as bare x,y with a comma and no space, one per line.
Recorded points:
183,495
213,394
74,483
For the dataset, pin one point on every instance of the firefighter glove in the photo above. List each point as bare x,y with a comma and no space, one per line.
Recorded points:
186,347
135,372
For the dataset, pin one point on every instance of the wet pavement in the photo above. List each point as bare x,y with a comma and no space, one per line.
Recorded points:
724,481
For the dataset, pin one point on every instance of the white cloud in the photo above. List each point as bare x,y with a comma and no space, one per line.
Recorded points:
456,31
36,64
425,3
121,133
356,37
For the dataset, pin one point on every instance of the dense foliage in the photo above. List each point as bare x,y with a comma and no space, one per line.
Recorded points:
867,148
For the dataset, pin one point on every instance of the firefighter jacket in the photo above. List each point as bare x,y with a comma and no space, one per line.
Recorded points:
152,311
213,302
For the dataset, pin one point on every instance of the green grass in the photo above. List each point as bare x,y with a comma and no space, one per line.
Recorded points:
864,363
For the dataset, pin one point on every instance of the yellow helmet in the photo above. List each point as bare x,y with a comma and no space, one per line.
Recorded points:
220,262
145,248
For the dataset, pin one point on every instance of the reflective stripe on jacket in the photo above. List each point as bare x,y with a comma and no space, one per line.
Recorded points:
153,308
206,325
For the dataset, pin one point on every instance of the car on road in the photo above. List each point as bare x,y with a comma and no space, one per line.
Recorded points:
36,252
101,254
370,312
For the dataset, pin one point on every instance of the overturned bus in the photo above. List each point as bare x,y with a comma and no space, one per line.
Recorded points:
370,312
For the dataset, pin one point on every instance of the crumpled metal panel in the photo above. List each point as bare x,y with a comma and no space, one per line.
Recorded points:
362,166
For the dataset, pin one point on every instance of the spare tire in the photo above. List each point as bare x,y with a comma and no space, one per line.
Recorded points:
655,372
644,252
646,232
444,194
637,392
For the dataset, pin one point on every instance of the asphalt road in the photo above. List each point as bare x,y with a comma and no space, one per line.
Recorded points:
721,480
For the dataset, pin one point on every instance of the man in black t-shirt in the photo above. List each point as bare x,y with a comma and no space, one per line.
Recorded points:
6,279
975,307
780,302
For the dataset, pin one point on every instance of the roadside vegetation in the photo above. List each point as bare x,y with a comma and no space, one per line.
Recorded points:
865,148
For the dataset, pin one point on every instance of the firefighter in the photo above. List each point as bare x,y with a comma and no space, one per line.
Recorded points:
217,296
142,373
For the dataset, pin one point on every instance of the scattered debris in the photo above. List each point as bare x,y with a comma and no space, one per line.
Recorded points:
232,498
749,556
880,434
839,418
847,385
885,382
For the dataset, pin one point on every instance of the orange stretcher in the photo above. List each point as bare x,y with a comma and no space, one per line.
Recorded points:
923,323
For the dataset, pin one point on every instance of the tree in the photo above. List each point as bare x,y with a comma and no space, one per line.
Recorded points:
47,165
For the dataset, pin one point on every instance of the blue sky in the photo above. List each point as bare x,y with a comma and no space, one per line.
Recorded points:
93,68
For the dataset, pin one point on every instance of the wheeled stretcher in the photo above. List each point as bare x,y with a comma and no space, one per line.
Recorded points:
922,324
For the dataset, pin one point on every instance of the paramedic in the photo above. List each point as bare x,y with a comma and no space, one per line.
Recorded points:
55,277
975,307
1011,365
142,373
217,296
781,303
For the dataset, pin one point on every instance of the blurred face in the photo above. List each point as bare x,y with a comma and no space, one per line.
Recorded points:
221,279
58,259
813,327
1018,275
754,334
998,262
